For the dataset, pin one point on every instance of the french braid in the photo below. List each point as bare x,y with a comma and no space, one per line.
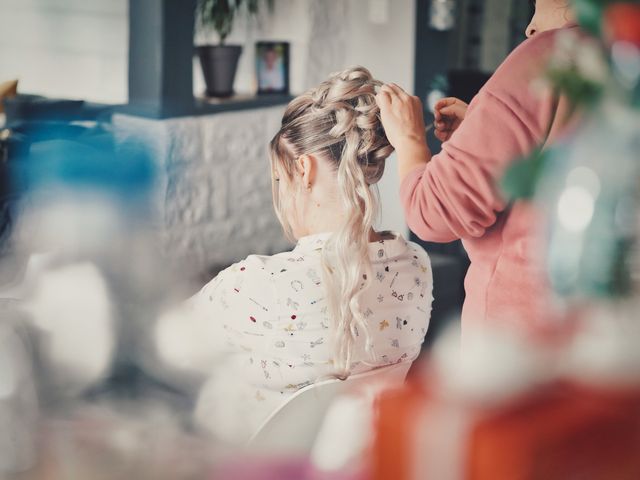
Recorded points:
339,122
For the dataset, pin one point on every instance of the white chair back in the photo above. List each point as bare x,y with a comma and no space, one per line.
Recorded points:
294,426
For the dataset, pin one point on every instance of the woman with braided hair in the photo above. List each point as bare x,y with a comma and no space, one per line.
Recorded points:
345,300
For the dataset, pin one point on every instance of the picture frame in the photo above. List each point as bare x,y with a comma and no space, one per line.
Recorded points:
272,67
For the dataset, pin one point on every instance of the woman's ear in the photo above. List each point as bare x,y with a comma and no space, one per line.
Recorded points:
306,168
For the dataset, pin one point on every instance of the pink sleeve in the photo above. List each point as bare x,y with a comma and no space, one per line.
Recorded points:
456,194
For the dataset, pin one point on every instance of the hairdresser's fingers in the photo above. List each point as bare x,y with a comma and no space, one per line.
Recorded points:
386,88
383,99
441,125
390,94
445,102
450,107
446,131
400,90
396,88
455,111
442,136
450,104
397,92
401,116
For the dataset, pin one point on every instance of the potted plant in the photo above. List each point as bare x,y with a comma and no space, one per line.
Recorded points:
220,62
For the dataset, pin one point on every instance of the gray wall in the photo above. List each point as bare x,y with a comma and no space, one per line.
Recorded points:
78,49
215,193
329,35
66,48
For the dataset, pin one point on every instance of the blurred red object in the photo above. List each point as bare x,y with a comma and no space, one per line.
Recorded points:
558,432
622,21
393,452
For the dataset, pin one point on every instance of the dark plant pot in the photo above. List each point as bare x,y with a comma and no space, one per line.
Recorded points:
219,65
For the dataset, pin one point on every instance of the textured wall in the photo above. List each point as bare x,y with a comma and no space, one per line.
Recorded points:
327,44
318,37
214,187
214,193
388,50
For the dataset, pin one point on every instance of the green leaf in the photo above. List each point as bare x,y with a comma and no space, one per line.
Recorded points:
219,15
577,89
521,179
589,14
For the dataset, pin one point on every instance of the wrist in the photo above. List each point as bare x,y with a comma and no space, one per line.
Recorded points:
411,155
413,147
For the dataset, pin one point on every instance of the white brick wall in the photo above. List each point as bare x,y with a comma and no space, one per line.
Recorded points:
214,191
214,185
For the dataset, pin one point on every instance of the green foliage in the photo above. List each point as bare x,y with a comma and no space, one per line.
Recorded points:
578,85
580,91
591,12
220,14
521,178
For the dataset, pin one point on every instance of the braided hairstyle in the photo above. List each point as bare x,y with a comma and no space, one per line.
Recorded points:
339,122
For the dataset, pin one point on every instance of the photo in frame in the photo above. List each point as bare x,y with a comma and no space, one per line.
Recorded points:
272,67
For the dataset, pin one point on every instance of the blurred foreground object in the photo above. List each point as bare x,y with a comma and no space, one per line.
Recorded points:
19,410
81,218
591,195
589,184
509,409
8,89
510,406
71,311
88,292
95,443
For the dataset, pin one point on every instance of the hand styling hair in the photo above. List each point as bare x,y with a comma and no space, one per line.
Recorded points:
339,122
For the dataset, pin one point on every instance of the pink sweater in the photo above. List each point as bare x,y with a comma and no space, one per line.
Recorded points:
455,196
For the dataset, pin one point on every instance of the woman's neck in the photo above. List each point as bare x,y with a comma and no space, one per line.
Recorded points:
374,236
331,218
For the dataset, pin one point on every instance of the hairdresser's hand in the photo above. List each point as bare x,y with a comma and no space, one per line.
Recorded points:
401,116
403,122
449,114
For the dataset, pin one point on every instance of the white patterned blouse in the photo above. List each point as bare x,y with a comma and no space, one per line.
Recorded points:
263,322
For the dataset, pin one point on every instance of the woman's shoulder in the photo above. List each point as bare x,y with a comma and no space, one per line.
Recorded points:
265,268
412,256
253,265
412,249
242,284
527,61
422,259
418,250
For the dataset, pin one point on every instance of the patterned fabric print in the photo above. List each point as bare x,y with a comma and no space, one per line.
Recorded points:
272,314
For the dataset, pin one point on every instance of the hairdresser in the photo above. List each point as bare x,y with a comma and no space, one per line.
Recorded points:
455,194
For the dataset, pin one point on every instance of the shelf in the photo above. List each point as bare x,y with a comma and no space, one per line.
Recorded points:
206,106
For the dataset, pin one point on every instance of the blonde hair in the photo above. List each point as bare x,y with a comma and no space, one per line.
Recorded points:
339,122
